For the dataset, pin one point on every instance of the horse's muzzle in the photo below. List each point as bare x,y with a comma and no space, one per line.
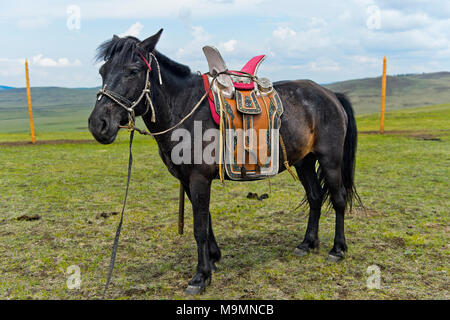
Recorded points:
104,129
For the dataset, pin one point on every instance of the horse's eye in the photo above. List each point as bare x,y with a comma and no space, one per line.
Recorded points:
134,72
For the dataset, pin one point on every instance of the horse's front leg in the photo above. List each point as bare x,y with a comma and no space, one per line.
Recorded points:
214,250
200,189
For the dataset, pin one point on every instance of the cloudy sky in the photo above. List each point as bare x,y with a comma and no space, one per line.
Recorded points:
322,40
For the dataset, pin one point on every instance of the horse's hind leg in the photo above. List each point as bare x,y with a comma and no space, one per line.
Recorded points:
331,166
307,173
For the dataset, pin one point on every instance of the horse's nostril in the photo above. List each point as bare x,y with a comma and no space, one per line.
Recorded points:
104,126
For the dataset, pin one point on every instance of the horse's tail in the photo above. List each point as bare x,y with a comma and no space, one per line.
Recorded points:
349,158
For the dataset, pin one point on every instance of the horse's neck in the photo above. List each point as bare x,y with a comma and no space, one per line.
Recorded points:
171,101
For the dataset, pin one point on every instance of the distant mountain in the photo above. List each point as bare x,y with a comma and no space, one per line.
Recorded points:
68,109
5,88
49,97
402,91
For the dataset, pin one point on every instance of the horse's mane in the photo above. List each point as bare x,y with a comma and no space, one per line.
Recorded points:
125,49
122,48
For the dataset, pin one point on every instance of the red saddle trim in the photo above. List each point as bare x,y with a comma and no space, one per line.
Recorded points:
252,64
212,107
250,67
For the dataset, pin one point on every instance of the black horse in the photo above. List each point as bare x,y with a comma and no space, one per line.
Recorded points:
317,126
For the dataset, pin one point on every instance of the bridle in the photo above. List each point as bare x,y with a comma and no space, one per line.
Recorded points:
127,104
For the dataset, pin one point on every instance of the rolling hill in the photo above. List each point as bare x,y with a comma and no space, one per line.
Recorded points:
65,109
48,97
403,91
54,109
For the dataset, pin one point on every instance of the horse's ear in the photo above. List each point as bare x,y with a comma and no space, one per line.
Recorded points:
150,43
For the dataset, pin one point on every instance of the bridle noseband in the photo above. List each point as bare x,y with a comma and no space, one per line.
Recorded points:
127,104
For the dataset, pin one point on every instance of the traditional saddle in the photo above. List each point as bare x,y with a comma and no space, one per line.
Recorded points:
248,111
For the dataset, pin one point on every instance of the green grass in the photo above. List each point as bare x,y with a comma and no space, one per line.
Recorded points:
427,119
402,180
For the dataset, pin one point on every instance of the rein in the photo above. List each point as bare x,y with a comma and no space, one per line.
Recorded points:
131,117
119,227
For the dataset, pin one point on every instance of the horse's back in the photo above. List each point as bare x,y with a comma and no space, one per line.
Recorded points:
308,92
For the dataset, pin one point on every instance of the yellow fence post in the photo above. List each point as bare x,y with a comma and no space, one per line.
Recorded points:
30,111
383,96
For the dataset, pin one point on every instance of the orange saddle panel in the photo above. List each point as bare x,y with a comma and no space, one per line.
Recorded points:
251,133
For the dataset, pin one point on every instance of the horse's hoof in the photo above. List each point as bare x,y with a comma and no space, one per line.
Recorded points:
194,290
335,258
300,252
213,267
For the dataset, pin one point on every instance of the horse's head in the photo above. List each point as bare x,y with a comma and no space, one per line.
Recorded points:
124,79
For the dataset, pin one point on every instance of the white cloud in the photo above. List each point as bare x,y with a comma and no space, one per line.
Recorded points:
320,65
131,9
199,37
324,65
12,67
283,33
366,60
199,33
393,20
228,46
287,42
345,16
317,23
134,30
411,34
33,23
41,61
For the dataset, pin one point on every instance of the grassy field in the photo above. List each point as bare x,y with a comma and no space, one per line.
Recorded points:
77,189
54,109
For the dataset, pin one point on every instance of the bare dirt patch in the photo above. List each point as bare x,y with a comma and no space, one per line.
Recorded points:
106,214
59,141
405,133
27,217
